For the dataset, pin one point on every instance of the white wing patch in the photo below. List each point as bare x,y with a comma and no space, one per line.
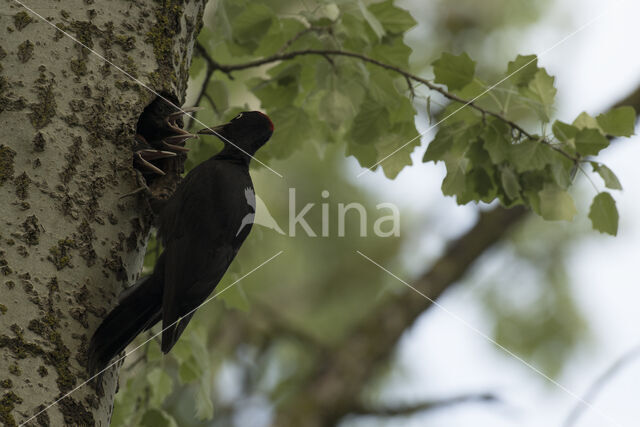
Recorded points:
251,197
260,216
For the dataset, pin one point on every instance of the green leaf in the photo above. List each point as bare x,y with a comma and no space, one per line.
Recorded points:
280,31
161,386
530,155
395,52
497,141
352,81
355,30
401,139
189,371
604,214
157,418
204,405
371,19
589,142
585,121
382,89
370,123
393,19
403,113
153,351
222,27
562,170
455,181
217,91
523,69
542,91
250,26
458,166
197,66
447,138
480,187
556,204
564,131
610,179
292,127
329,11
618,122
235,297
510,183
182,351
335,108
454,71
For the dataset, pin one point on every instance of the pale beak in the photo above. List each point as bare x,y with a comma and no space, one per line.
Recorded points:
216,130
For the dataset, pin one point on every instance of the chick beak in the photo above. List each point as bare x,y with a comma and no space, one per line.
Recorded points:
216,130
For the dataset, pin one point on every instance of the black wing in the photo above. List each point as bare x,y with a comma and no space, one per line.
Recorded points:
198,246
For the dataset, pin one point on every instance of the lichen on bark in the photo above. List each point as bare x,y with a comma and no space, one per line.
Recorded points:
68,243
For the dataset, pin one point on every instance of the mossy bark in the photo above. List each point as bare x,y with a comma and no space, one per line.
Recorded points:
69,244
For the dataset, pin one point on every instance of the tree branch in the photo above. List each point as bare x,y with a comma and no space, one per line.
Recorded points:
580,408
210,68
336,386
426,406
228,69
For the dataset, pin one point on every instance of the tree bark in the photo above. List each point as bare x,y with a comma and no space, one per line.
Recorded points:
68,243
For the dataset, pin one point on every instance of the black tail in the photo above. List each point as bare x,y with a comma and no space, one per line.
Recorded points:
139,310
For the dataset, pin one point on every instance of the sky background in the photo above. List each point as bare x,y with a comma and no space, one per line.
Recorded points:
593,68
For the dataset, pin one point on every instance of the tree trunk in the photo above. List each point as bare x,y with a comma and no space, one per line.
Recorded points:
68,243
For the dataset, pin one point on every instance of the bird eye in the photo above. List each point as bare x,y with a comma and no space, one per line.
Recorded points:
238,116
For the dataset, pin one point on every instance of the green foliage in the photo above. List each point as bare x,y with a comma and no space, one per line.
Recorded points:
603,214
489,157
364,106
610,179
454,71
618,122
326,99
157,418
522,70
161,384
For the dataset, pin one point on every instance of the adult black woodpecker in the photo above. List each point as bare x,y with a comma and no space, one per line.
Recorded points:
201,227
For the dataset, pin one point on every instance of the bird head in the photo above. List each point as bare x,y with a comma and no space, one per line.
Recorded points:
248,131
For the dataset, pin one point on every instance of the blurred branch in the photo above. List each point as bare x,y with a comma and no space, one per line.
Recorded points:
327,53
210,67
334,389
631,100
273,321
590,396
336,386
426,406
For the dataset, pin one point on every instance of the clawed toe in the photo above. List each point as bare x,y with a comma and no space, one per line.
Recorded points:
174,116
150,155
161,137
139,159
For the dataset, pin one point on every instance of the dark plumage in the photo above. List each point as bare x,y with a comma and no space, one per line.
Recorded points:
201,227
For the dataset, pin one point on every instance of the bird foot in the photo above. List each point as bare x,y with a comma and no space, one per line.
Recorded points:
143,157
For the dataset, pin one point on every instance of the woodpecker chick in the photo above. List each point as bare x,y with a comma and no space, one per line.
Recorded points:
159,135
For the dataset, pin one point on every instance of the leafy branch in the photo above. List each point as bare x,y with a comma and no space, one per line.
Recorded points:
363,101
228,69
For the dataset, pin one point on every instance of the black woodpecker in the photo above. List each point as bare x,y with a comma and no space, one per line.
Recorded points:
201,227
